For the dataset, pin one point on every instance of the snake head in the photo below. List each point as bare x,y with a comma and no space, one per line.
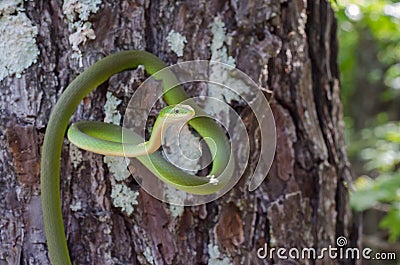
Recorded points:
178,113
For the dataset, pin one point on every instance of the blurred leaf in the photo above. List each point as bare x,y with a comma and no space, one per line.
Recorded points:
392,222
380,148
381,18
392,76
371,192
393,137
369,61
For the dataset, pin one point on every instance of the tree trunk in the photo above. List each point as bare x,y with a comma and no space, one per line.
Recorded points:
289,48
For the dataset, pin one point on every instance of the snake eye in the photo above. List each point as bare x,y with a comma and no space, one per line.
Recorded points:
176,111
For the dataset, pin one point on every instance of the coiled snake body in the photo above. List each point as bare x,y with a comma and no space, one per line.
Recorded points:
106,139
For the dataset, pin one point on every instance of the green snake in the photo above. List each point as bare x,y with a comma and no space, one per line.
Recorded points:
106,139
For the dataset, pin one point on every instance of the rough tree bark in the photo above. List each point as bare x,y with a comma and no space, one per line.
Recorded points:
288,47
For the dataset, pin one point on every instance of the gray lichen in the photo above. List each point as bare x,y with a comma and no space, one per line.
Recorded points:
148,255
10,6
176,210
83,33
77,13
111,112
75,154
84,8
116,165
219,52
76,206
176,196
176,42
181,148
124,198
222,74
18,49
216,257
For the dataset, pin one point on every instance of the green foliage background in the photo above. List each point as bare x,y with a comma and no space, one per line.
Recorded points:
369,58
